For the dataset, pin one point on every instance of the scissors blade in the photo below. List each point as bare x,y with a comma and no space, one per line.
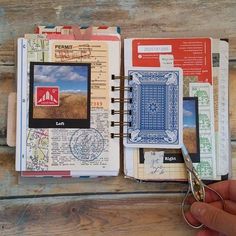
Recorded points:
195,182
187,159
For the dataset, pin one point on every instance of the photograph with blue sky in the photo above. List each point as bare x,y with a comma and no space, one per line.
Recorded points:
69,78
189,113
73,81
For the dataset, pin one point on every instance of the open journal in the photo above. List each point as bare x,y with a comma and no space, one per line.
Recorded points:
204,111
75,112
64,102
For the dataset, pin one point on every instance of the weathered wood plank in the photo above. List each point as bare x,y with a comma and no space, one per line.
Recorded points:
136,19
12,185
94,215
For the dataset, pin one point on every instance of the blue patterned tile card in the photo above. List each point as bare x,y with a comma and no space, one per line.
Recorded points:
156,118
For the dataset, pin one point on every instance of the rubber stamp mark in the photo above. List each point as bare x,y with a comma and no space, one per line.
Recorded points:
86,144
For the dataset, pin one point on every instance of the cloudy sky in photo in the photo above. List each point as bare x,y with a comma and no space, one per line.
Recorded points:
70,78
189,113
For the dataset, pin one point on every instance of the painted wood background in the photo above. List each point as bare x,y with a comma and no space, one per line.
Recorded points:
103,206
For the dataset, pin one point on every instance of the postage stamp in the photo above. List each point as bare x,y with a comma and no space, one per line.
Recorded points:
205,144
202,91
204,168
205,120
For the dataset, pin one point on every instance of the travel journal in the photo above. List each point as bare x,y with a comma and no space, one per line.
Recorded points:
75,112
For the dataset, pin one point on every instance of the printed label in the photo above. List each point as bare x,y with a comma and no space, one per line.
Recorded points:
47,96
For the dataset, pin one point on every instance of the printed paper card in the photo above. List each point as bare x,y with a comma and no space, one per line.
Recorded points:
59,95
155,97
193,55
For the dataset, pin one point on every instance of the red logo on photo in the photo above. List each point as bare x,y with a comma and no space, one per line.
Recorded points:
47,96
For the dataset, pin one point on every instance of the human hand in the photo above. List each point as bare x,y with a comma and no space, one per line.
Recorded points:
211,213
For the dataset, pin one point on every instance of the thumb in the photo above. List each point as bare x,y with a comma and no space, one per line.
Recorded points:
214,218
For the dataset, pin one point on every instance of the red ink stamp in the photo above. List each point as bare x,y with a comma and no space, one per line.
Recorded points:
47,96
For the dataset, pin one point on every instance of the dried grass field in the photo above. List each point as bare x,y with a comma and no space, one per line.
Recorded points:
189,136
71,106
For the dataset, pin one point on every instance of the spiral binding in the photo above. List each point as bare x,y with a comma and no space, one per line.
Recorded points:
116,123
120,101
119,77
118,88
117,112
119,135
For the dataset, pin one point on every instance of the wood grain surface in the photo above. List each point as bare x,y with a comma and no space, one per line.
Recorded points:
104,206
151,214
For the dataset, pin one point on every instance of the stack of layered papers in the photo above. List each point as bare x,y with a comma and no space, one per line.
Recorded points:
179,93
63,101
73,107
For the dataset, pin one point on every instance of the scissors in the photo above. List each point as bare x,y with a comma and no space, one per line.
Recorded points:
195,186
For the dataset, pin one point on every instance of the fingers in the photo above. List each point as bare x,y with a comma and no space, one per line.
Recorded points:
227,189
214,218
190,218
228,206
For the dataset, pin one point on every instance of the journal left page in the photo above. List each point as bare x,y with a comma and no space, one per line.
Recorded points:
64,109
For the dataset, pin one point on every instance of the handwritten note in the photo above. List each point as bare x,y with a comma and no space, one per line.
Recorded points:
153,163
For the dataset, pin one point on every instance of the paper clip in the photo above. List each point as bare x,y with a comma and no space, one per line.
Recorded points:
195,186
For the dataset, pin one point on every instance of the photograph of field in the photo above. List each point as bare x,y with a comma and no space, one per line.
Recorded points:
190,139
190,136
71,106
60,91
190,123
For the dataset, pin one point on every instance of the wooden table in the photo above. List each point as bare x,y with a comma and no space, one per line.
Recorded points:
103,206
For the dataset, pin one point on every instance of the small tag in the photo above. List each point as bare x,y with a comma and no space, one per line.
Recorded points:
153,163
166,60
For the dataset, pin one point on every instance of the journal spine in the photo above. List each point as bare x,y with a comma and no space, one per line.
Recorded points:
119,105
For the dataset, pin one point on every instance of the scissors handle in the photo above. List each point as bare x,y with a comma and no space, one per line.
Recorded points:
196,185
183,212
